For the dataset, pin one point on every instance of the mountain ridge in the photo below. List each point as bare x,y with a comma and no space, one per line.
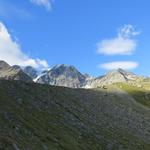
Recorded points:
111,77
69,76
12,72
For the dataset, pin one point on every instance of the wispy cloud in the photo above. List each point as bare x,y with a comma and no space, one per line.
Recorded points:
9,10
119,64
46,3
11,52
123,44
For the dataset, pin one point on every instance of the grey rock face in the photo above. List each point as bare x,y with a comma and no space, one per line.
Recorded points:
63,75
16,67
68,76
3,65
114,76
30,71
12,73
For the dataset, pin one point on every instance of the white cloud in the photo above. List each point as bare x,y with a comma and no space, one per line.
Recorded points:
46,3
119,64
128,31
122,44
10,51
117,46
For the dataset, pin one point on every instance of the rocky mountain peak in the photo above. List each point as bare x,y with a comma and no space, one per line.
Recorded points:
63,75
16,67
68,71
3,65
30,71
12,72
121,72
114,76
66,75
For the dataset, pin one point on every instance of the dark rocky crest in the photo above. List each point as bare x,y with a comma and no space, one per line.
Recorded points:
30,71
12,73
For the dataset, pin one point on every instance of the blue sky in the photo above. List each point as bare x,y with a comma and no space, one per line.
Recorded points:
92,35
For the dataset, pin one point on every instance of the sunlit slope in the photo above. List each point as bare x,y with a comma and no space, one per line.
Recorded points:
42,117
140,91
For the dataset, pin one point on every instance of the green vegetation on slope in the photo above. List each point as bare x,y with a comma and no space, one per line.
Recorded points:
140,94
42,117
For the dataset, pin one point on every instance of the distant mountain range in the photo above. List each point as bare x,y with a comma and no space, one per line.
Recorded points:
65,75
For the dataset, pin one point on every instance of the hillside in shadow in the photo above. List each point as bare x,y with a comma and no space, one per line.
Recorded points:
42,117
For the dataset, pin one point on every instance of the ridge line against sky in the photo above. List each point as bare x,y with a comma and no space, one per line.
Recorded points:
43,37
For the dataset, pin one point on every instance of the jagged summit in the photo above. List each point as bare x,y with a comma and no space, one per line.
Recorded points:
12,72
16,67
67,75
126,74
62,65
3,65
63,75
30,71
114,76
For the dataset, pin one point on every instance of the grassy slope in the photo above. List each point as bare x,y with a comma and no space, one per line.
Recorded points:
41,117
140,94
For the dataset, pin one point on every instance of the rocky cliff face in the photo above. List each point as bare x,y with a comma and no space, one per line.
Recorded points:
67,76
12,73
114,76
30,71
63,75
